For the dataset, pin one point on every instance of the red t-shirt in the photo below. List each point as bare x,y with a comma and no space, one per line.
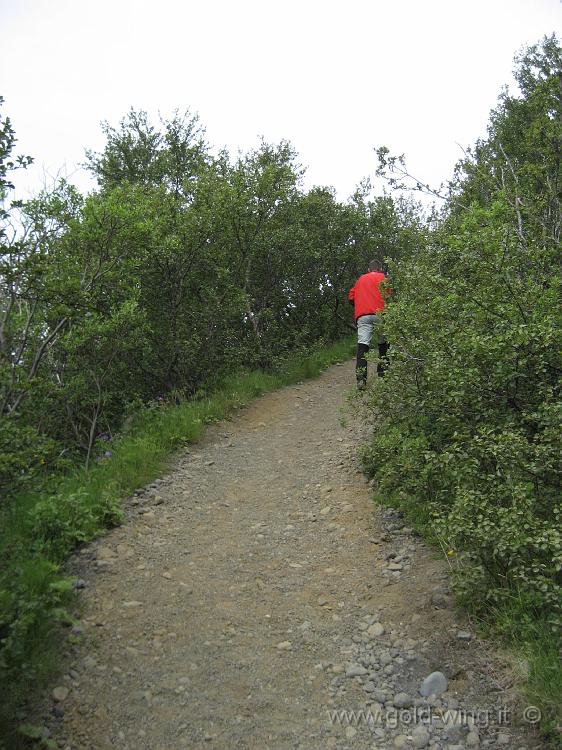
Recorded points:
366,294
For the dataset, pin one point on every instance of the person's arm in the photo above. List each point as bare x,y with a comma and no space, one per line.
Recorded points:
351,296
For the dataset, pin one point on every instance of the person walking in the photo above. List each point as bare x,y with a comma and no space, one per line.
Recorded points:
366,297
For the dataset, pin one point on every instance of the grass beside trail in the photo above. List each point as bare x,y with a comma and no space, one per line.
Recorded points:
39,529
535,647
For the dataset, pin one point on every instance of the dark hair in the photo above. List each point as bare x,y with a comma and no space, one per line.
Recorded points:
375,265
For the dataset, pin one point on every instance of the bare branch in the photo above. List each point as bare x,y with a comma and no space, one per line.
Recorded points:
37,359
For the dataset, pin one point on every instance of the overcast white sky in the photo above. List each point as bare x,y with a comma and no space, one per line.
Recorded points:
336,78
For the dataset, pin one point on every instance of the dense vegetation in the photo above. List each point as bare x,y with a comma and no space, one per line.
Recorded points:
469,437
182,266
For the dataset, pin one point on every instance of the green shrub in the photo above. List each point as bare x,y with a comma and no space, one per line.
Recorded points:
59,523
468,436
33,597
25,455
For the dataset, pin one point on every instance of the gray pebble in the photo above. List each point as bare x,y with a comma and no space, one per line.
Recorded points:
420,737
60,693
375,630
434,684
402,700
472,739
454,733
464,635
355,670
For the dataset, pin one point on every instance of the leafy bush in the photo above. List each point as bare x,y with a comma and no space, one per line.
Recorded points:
59,523
470,434
24,455
180,269
33,598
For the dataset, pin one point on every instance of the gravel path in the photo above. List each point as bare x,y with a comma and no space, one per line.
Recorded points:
254,594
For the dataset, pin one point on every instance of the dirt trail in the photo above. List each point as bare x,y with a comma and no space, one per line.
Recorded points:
255,589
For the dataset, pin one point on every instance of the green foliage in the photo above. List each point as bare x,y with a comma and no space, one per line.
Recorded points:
138,153
535,655
32,607
38,735
8,163
469,439
61,522
31,603
25,454
182,268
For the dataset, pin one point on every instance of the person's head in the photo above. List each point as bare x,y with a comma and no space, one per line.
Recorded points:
375,265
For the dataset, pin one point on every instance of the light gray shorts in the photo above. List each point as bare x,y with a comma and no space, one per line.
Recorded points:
366,325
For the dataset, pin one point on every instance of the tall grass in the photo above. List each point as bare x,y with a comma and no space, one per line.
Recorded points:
536,652
40,529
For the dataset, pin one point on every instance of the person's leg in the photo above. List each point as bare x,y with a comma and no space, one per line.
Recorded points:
383,349
364,332
361,368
